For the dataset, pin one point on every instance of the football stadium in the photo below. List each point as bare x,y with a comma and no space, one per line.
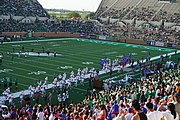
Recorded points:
122,62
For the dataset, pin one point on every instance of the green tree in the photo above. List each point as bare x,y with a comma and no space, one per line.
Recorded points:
90,15
73,14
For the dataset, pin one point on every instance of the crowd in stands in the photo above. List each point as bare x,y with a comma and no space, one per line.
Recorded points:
77,26
15,26
22,8
163,15
142,14
72,26
143,32
155,33
33,8
113,13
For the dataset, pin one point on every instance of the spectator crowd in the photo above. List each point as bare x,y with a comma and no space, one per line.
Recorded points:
22,8
141,14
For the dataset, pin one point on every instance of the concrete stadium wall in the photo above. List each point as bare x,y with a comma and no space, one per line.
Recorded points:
14,33
55,34
44,34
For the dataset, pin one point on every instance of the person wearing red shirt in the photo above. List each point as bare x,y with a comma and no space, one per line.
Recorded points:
37,97
103,113
111,72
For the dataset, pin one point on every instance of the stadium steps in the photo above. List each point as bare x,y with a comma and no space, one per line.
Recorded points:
109,7
132,8
157,11
172,8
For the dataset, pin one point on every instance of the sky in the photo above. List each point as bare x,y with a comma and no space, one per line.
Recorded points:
86,5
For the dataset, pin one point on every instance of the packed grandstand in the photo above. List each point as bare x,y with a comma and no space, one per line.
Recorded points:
154,96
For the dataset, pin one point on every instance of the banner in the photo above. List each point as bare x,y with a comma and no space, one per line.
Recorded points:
171,44
150,42
92,36
83,35
1,37
111,37
159,44
101,37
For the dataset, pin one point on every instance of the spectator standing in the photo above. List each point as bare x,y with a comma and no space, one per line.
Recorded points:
154,115
170,113
129,115
139,114
177,103
37,97
41,114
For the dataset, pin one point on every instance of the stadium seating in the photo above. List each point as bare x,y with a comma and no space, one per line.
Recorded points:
141,9
22,8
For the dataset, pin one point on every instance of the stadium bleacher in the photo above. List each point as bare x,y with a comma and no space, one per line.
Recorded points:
128,9
22,8
161,89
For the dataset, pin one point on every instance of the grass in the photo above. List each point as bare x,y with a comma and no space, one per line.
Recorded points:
75,53
64,15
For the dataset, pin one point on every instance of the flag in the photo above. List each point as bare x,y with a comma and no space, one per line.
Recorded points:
105,60
101,63
124,58
130,55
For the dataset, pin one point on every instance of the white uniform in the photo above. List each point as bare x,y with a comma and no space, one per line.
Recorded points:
10,99
113,65
67,94
59,98
64,76
79,70
82,79
64,97
59,76
107,67
86,70
32,92
21,96
43,89
72,74
119,68
78,76
46,79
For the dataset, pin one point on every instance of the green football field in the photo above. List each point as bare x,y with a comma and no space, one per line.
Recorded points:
71,54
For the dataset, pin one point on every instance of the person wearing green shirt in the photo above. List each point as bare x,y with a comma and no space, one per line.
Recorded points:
102,100
106,95
153,93
146,94
90,103
137,95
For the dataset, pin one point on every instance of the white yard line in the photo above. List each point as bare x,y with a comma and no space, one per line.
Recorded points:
26,92
79,89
